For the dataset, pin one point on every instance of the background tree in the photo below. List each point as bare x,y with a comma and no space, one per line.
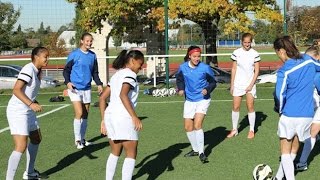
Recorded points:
147,18
18,39
8,17
208,14
56,48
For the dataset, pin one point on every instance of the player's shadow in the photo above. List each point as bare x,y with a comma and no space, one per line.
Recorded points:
214,137
162,161
260,117
143,117
73,157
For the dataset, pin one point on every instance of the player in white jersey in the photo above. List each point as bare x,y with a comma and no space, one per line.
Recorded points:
21,115
245,70
119,120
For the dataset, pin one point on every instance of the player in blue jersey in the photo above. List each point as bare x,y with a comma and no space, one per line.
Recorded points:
21,114
294,95
81,68
314,52
244,73
195,80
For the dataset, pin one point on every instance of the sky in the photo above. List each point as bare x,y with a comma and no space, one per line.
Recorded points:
300,3
53,13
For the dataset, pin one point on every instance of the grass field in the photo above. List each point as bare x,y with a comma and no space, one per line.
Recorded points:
162,142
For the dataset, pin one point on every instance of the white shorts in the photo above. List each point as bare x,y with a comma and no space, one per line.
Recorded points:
191,108
83,96
288,127
316,117
242,91
120,127
22,123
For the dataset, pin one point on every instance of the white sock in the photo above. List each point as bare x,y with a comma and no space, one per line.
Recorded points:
235,119
83,129
307,147
127,168
252,120
31,153
280,173
192,139
200,140
287,165
76,129
13,163
111,166
313,142
293,156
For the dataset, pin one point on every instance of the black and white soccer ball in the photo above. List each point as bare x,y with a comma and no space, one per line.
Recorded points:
172,92
156,93
164,92
262,172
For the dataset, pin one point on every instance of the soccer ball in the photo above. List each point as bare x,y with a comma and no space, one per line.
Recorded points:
164,92
172,92
156,93
262,172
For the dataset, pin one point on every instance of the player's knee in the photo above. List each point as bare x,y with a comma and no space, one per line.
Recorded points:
20,147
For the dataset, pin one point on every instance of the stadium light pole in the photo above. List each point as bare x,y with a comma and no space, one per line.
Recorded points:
285,17
166,41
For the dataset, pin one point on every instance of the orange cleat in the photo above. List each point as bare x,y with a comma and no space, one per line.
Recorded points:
250,135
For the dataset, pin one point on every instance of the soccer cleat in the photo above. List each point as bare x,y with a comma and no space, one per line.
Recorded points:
203,158
232,133
191,153
86,143
301,167
250,135
79,145
34,175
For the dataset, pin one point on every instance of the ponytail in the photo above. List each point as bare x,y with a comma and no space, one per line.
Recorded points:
124,56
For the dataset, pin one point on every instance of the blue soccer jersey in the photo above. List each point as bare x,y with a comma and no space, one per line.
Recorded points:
81,67
194,79
295,86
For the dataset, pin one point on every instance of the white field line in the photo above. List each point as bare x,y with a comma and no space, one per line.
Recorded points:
213,100
47,105
41,115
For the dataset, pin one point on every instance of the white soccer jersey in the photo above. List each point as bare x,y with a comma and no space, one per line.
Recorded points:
28,74
116,81
245,66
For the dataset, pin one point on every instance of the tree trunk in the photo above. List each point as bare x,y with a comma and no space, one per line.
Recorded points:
210,28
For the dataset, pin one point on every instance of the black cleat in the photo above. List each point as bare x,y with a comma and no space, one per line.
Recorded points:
191,153
203,158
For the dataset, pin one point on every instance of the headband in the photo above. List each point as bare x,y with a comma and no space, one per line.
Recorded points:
194,50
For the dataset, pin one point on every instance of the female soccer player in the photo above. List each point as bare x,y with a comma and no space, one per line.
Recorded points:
119,120
80,69
22,117
195,80
314,52
244,73
294,95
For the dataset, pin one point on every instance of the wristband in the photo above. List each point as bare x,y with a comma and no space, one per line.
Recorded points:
30,104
